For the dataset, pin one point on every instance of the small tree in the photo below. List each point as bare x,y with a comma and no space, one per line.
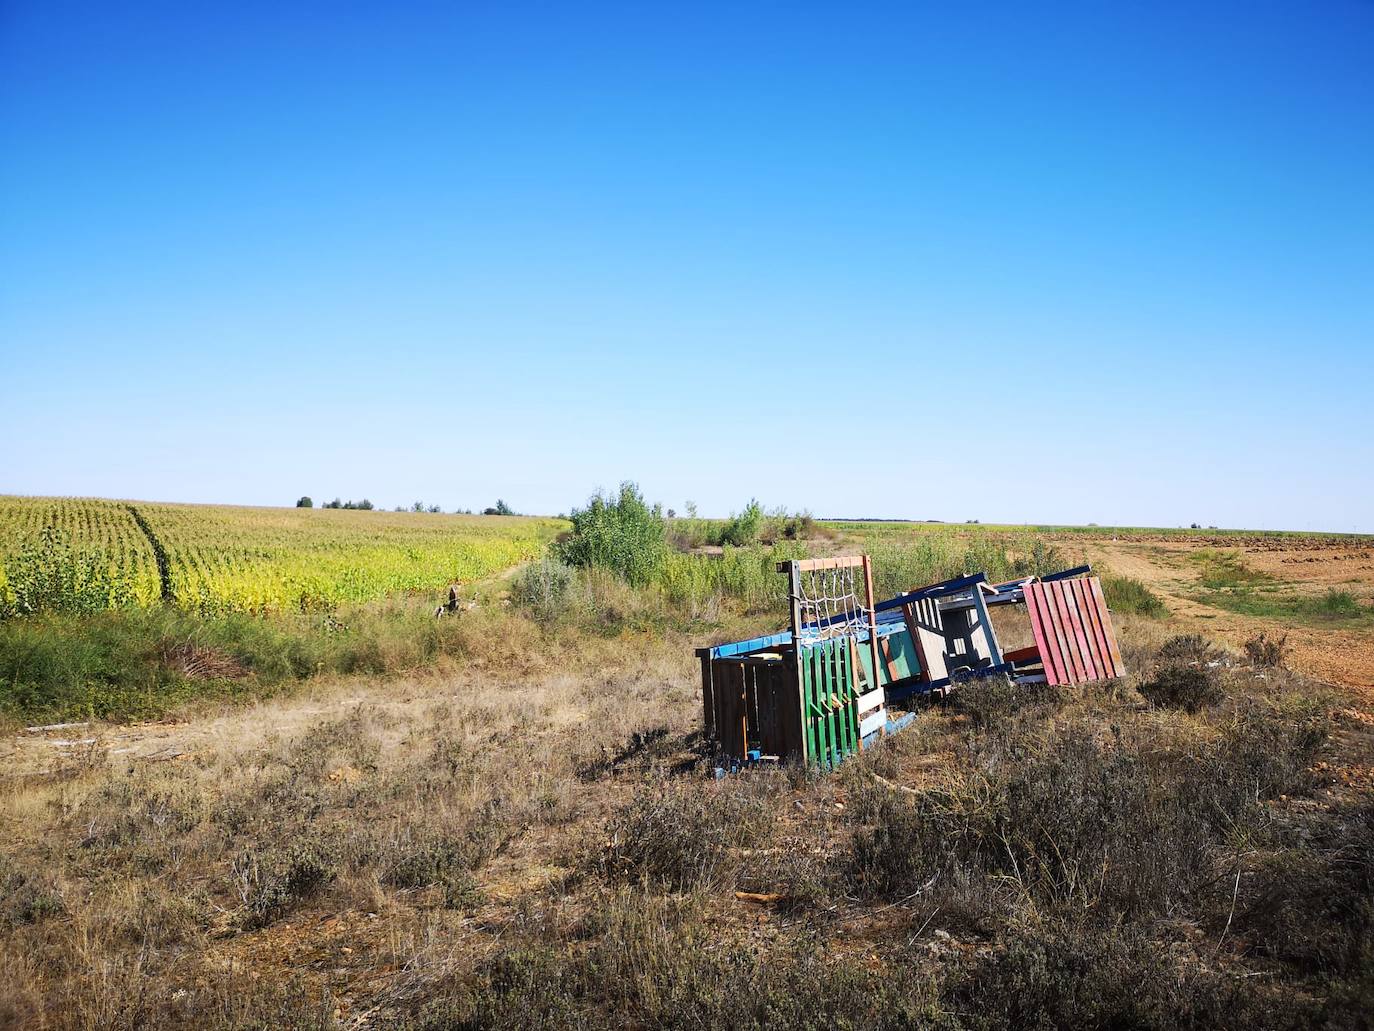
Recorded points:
743,529
305,502
621,533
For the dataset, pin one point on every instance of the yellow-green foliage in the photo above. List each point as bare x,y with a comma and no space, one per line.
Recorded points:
269,560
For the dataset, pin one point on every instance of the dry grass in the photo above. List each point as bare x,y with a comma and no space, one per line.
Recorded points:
523,836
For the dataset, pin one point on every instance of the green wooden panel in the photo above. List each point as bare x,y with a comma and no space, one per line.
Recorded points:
830,700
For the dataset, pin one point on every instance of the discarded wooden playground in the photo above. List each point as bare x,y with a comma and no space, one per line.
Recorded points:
833,683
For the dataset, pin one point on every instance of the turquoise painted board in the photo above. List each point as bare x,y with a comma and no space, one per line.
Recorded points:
904,659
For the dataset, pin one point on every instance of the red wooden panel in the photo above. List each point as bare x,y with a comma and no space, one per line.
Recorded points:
1119,667
1038,633
1089,606
1065,632
1043,629
1080,631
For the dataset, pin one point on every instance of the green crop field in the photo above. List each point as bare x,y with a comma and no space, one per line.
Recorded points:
90,554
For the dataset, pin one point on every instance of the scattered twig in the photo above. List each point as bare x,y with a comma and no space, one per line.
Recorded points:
1235,892
895,787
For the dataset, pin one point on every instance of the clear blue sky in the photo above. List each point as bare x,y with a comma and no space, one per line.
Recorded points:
1069,263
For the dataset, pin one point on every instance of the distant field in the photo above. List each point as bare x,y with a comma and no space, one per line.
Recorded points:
883,529
105,554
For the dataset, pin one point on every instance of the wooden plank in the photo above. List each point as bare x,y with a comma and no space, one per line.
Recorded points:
1037,633
1103,622
889,663
870,699
928,636
963,583
912,631
989,634
708,707
794,587
850,690
1080,630
1087,605
1060,616
872,633
806,565
751,702
1042,626
1119,667
793,724
754,644
875,720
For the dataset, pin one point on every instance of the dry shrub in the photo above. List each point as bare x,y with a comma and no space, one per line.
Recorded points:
1184,675
1066,974
199,661
1263,650
1312,906
424,858
1261,753
1189,650
1073,823
648,961
683,836
1175,686
989,701
27,897
271,884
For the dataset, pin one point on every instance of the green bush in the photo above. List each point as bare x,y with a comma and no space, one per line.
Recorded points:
620,533
1126,594
743,529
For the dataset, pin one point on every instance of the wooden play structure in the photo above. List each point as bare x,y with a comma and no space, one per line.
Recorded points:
827,686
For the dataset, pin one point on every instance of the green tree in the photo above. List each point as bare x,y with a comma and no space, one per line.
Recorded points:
620,533
305,502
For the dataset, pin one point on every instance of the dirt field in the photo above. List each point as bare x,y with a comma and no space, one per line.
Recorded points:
1300,566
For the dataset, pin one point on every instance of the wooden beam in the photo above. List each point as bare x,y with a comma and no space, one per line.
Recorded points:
872,634
806,565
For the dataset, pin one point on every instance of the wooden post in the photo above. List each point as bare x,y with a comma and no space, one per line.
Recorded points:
872,634
708,702
794,586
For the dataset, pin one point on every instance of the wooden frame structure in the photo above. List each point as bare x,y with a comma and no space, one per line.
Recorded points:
820,691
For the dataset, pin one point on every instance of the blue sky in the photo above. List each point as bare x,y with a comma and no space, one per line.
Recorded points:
1044,263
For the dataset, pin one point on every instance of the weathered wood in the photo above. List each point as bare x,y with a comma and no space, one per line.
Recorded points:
807,565
1042,627
708,705
1119,667
794,592
872,636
